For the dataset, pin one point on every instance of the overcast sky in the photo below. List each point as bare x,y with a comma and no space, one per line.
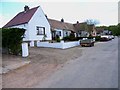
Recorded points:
71,11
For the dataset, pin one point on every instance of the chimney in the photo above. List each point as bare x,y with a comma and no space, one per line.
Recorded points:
26,8
77,22
62,20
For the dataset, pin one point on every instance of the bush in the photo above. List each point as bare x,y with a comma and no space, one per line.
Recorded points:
57,38
78,38
12,39
97,38
0,39
72,37
67,38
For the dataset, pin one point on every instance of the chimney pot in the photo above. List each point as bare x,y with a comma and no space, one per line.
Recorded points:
77,22
62,20
26,8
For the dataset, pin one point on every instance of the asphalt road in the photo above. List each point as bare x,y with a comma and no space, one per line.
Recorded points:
96,68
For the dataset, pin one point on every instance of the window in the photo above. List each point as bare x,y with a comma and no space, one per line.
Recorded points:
40,30
66,33
58,33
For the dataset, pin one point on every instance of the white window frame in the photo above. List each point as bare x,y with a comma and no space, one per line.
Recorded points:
40,30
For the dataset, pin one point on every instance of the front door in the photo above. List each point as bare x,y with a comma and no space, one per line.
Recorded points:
53,35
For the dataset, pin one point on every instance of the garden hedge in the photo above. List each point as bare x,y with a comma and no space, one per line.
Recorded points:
12,39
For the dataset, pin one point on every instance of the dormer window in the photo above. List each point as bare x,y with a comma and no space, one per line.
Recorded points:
40,30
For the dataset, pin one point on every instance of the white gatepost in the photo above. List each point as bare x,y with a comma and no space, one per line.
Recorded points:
62,44
79,42
32,44
25,52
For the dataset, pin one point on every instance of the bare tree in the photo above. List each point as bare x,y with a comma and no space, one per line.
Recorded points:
92,21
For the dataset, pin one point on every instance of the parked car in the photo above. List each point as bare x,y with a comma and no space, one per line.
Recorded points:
105,38
87,42
112,37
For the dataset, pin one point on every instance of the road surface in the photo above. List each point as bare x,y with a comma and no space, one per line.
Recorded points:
96,68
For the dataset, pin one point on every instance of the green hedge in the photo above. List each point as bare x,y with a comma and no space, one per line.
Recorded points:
12,39
71,37
57,38
68,38
0,39
97,38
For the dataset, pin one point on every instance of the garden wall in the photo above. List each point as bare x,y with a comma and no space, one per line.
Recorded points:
60,45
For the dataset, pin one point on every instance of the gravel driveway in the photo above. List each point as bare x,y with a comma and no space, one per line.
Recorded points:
44,62
78,67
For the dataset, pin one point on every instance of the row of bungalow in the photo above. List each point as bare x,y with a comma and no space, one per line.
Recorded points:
38,25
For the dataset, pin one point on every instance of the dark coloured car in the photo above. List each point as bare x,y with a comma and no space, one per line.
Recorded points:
87,43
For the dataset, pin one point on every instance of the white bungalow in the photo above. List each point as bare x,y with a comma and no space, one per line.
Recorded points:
38,26
61,28
35,23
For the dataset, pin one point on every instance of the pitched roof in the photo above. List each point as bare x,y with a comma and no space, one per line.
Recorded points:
21,18
70,26
80,26
99,29
55,24
90,27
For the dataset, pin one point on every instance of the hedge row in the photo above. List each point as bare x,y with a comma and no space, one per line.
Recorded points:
68,38
12,39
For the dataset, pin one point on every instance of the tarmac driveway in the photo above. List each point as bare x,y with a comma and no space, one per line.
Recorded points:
96,68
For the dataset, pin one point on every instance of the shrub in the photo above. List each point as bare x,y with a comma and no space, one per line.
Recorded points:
44,37
12,39
0,38
78,38
57,38
72,37
67,38
90,37
97,38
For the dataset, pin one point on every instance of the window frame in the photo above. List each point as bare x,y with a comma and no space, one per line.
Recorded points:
59,33
38,28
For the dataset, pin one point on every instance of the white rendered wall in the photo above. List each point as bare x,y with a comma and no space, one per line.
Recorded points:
61,45
61,37
40,20
64,33
32,44
70,44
